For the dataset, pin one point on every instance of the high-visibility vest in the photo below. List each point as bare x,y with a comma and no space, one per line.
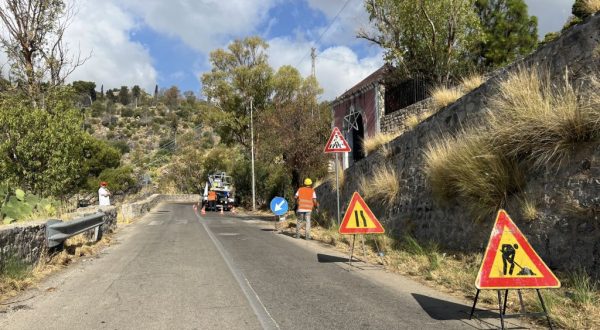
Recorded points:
212,196
305,199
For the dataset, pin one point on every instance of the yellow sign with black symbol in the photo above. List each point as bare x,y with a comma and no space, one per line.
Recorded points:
359,219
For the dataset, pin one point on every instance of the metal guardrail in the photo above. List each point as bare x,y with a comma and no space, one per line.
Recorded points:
58,231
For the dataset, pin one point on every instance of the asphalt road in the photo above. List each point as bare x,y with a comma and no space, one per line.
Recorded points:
176,270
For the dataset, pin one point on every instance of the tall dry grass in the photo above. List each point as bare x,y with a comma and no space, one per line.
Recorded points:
471,82
383,185
373,143
591,6
470,169
540,121
442,96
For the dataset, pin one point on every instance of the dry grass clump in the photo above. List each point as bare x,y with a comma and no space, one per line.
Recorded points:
471,82
376,141
540,122
443,96
528,209
591,6
384,185
469,169
415,119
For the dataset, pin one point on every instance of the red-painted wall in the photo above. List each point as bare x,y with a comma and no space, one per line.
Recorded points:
365,102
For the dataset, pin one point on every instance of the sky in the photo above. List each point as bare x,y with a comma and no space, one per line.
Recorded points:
134,42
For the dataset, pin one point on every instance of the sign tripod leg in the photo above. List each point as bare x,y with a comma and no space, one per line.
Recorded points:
505,301
474,304
379,253
363,247
544,308
352,249
500,310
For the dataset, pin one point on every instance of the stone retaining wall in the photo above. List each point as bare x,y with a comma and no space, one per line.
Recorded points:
567,232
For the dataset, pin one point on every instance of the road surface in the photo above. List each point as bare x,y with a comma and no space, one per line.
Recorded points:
174,269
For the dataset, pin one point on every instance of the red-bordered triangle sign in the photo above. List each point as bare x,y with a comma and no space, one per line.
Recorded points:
510,262
336,142
359,219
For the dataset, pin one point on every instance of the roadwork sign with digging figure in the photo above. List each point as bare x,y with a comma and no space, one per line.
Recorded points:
510,262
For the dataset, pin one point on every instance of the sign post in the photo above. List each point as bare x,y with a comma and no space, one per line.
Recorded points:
337,144
506,249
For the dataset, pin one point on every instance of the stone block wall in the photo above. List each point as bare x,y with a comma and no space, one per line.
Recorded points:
565,237
395,122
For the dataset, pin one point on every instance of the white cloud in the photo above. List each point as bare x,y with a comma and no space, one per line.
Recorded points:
337,68
202,24
102,28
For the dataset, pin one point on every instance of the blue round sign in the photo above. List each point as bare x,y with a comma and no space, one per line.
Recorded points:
279,206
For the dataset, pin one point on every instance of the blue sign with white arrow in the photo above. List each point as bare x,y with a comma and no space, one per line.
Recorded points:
279,206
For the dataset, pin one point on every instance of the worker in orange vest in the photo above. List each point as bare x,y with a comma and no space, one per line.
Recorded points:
212,200
306,200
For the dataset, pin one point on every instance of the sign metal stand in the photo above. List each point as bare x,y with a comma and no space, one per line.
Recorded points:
502,307
506,249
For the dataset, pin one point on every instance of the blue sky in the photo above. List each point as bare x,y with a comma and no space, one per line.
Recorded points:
168,42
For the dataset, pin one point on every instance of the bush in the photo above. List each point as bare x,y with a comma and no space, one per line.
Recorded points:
122,146
127,112
120,179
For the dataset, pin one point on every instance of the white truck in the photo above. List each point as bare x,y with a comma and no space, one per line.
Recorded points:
222,185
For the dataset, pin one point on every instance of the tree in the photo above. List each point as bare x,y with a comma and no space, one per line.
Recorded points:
509,32
296,126
85,89
124,98
34,43
239,74
41,149
136,92
171,97
110,95
432,38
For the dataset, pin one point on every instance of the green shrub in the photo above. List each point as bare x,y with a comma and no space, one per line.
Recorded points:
120,179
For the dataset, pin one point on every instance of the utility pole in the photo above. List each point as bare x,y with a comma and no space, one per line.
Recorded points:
313,56
252,151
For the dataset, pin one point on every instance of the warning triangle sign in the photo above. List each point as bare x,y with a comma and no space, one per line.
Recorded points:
510,262
359,219
336,142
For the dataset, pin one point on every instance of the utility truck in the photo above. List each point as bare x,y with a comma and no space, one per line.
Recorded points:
221,192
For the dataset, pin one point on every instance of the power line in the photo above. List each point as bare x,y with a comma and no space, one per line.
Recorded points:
327,29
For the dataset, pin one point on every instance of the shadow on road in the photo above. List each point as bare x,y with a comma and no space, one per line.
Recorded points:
446,310
328,258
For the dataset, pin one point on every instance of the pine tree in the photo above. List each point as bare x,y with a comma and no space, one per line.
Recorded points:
509,32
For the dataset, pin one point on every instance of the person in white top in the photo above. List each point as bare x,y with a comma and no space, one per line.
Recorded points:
103,194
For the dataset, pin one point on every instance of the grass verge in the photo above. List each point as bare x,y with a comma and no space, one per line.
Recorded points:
19,276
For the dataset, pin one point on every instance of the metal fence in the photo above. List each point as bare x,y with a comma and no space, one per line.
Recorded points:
402,94
58,231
